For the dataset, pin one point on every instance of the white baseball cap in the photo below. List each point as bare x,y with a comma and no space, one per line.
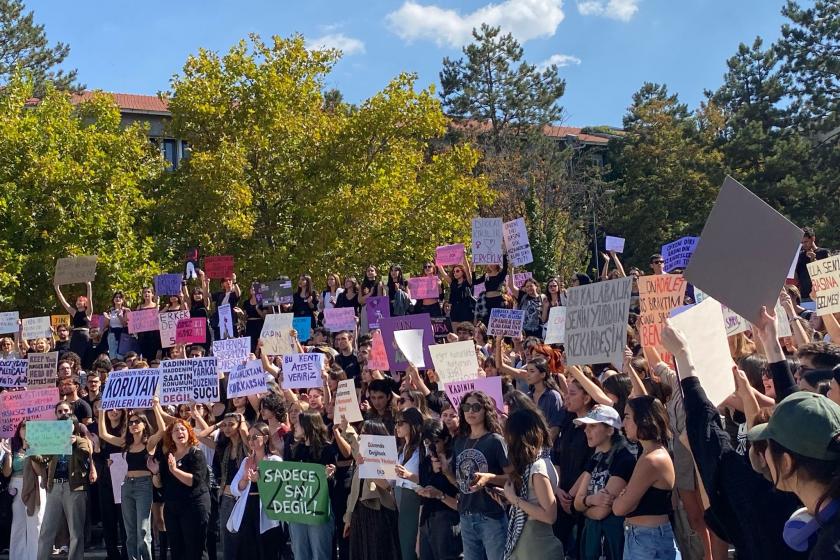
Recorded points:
601,414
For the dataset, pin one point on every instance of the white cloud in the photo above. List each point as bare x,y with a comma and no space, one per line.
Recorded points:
340,41
525,19
560,60
622,10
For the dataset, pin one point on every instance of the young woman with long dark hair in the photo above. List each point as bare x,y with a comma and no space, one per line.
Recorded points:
231,451
305,299
398,297
461,299
79,318
409,431
116,321
110,512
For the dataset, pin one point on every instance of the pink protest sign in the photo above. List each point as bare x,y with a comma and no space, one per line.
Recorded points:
478,289
340,319
449,254
424,287
191,331
492,386
378,358
32,404
219,266
143,320
520,278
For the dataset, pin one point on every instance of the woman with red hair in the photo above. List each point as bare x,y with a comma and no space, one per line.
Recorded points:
80,319
181,471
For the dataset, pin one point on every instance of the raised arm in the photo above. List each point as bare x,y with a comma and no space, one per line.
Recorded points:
598,395
467,269
605,272
800,334
618,266
89,310
103,432
501,363
236,289
783,380
155,438
832,326
63,301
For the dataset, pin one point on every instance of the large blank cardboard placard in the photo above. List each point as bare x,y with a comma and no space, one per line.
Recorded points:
75,270
743,256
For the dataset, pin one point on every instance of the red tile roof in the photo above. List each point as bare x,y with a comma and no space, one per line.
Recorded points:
130,102
549,130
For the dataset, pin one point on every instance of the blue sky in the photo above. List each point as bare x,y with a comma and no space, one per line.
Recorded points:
608,47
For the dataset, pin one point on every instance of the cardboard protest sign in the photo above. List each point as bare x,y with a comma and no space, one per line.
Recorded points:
119,469
615,244
205,380
596,322
450,254
377,308
231,352
792,271
175,382
9,322
168,284
743,281
303,371
226,329
556,326
455,361
492,386
378,358
128,343
410,343
506,322
678,253
192,330
658,295
246,379
13,373
340,319
732,322
35,327
487,241
220,266
390,325
519,279
49,437
303,327
143,320
168,325
130,388
277,291
41,370
75,270
380,457
478,289
424,287
276,334
294,492
347,402
825,277
34,404
516,241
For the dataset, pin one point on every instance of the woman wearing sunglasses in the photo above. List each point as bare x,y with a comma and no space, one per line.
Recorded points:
409,431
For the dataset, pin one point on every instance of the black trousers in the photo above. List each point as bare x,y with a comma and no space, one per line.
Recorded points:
186,525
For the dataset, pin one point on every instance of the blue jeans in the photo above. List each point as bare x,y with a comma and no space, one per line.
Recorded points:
312,542
137,517
483,536
650,543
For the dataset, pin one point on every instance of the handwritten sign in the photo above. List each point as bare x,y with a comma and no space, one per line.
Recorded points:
555,332
596,322
303,371
487,241
424,287
678,253
450,254
231,352
377,308
276,334
491,386
410,343
75,270
732,322
340,319
41,370
35,327
519,279
168,284
825,276
16,406
246,379
191,331
168,324
143,320
205,380
13,373
226,329
175,382
378,358
506,322
516,242
658,295
380,457
347,402
455,361
130,388
49,437
294,492
9,322
615,244
219,266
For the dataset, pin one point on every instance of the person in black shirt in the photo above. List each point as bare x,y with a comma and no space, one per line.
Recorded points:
346,358
809,253
68,389
461,297
305,299
440,537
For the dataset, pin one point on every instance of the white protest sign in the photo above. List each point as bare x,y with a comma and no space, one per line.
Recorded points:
119,468
231,352
303,371
516,241
454,361
783,329
825,276
226,329
556,326
205,380
703,328
732,322
596,322
169,325
380,457
487,241
9,322
506,322
792,271
246,379
347,402
276,334
615,244
41,370
410,343
36,327
175,382
13,373
130,388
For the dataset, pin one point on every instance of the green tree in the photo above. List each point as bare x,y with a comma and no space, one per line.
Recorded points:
24,45
72,182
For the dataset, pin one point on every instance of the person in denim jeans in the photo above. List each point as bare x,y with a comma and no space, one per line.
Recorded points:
138,445
479,458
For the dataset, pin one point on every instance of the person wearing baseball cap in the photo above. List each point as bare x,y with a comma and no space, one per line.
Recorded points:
803,456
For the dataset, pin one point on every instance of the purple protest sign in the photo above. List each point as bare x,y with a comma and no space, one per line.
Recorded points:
449,254
389,325
491,386
168,284
424,287
377,309
340,319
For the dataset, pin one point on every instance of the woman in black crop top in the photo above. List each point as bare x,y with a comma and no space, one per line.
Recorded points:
80,319
646,500
493,279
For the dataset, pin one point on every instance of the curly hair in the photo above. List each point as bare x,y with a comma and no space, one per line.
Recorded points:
491,419
169,443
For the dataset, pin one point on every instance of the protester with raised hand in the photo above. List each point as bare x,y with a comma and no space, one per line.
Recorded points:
439,534
461,299
409,430
494,278
80,315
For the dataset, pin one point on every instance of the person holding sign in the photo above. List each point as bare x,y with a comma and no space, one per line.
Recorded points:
305,299
149,340
28,496
199,302
254,317
554,289
80,321
530,300
116,320
409,430
493,279
461,299
431,305
398,297
229,295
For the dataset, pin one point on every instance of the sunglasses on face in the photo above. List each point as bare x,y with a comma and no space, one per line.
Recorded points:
474,407
134,422
658,262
